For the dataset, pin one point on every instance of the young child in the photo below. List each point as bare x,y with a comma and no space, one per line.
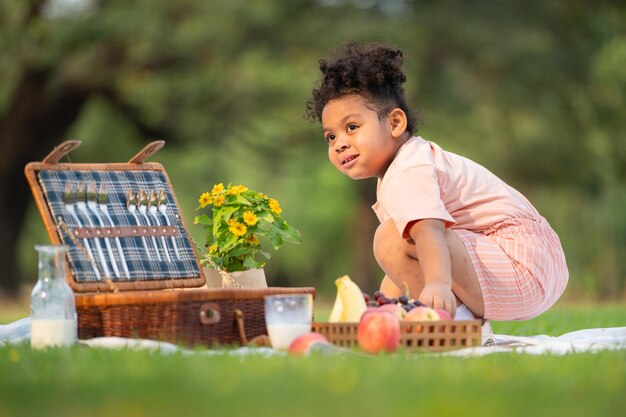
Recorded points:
450,229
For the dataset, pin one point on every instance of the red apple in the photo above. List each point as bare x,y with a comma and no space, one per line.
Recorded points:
301,344
378,331
443,314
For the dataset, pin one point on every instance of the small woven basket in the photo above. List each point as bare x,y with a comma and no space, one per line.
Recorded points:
430,336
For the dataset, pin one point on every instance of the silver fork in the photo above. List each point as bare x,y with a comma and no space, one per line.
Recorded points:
152,209
102,205
92,205
162,205
68,199
142,206
131,205
82,207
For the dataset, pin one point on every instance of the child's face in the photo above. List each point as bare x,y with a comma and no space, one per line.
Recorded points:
360,145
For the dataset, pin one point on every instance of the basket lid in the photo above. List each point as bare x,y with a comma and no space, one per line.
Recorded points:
121,222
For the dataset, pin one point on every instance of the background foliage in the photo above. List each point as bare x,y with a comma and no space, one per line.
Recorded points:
535,91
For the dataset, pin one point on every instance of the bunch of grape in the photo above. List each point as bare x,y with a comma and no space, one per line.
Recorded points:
380,299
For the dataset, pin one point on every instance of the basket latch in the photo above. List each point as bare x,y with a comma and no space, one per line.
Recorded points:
60,151
210,313
148,150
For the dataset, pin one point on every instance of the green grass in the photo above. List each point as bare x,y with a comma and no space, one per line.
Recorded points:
83,381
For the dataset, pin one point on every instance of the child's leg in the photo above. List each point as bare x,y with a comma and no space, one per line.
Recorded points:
398,258
390,289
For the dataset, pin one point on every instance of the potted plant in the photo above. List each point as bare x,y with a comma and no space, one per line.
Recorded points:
237,222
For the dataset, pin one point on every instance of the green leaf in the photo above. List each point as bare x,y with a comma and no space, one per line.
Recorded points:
242,250
275,237
251,263
242,200
234,266
217,217
229,243
291,234
266,217
287,232
227,212
203,219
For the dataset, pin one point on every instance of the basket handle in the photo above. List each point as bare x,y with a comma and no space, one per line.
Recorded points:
147,151
262,340
60,151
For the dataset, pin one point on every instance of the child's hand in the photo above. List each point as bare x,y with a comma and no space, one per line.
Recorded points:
439,295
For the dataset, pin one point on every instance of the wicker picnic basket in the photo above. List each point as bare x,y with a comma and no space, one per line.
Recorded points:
146,281
428,336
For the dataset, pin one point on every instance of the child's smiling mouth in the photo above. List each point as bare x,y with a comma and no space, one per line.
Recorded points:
348,160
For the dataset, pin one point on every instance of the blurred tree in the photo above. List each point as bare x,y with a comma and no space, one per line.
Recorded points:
534,93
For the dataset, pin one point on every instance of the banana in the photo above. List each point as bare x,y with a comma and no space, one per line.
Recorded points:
337,312
352,301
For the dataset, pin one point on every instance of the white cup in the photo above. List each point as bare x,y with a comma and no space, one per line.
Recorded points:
287,317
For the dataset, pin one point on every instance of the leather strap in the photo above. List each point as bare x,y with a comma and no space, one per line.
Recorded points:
125,231
60,151
148,150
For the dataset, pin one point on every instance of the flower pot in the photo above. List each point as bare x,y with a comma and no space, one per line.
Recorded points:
252,278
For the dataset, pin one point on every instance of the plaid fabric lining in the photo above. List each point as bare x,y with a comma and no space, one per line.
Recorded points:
119,183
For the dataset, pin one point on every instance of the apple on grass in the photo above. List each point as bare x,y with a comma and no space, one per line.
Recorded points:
378,331
302,343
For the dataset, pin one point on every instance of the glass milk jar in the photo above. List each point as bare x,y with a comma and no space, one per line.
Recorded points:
53,309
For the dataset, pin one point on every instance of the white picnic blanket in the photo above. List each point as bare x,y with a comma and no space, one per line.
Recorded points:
586,340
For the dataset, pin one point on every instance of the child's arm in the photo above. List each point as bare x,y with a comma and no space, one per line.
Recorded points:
433,256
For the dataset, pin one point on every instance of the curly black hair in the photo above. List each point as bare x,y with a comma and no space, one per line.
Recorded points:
371,70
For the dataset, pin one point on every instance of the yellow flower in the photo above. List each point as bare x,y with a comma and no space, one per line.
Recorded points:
261,195
250,218
217,188
274,206
237,189
253,240
218,201
205,199
213,248
237,229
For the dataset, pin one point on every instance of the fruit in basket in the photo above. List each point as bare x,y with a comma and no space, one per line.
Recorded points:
443,314
378,331
349,302
422,313
302,343
394,309
337,311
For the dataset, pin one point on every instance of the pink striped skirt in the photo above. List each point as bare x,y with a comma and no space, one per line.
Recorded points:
520,266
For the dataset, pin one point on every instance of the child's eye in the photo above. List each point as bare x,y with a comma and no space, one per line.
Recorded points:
330,138
352,128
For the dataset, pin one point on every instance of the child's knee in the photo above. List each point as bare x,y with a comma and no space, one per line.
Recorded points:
387,243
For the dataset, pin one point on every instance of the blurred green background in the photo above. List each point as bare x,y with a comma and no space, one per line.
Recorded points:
535,91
